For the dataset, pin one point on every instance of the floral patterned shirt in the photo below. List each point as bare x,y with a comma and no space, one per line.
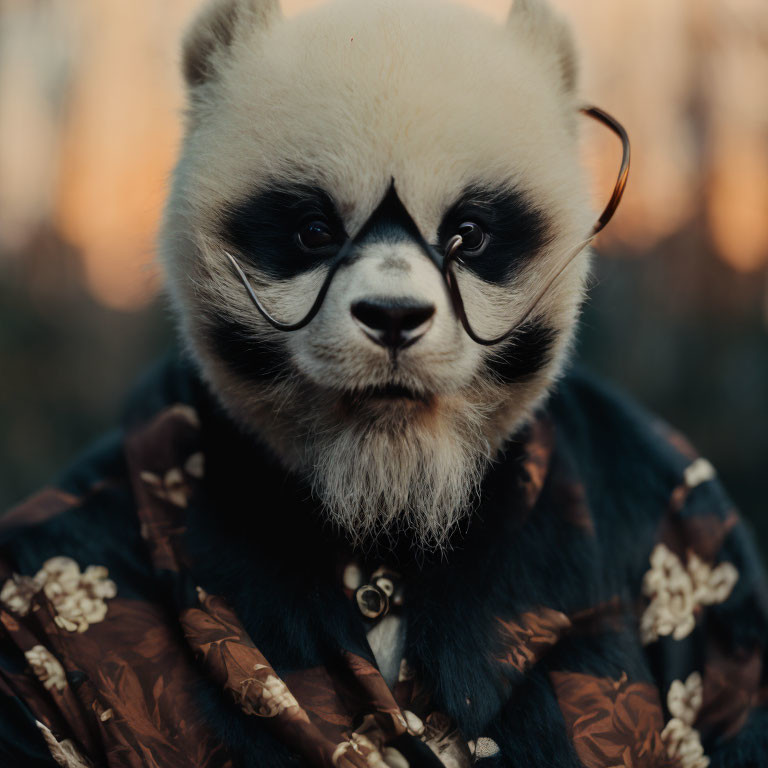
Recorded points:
175,601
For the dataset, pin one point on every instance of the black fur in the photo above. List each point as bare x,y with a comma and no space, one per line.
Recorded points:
263,227
526,353
517,230
236,347
390,222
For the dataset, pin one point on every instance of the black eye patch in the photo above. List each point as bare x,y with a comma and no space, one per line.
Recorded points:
528,352
516,230
263,229
234,344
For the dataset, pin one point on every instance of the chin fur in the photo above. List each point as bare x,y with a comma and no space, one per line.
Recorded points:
384,465
396,467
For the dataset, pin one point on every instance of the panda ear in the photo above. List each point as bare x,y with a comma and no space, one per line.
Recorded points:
214,30
550,34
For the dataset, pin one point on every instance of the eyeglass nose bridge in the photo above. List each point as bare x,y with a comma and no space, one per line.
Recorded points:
345,257
444,263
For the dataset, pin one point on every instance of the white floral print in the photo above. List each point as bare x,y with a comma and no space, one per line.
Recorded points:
265,694
676,591
64,752
17,593
174,485
684,745
46,668
171,487
700,471
78,599
711,585
360,750
685,698
681,740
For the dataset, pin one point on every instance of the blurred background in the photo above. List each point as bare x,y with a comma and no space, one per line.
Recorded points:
90,98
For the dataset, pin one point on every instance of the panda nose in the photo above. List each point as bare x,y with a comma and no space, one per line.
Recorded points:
393,323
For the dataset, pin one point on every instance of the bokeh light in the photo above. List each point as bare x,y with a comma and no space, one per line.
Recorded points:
90,101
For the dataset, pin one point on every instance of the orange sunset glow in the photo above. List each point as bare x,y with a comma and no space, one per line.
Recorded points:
90,97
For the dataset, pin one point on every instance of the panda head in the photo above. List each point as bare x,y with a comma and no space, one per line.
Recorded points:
381,127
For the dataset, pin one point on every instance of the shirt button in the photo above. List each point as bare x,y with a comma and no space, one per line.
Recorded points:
372,601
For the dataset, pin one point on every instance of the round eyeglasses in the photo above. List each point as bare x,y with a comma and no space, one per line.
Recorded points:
450,264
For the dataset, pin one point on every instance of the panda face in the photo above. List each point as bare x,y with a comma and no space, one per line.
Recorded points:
384,128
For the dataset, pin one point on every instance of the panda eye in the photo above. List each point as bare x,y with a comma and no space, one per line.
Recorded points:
315,235
473,238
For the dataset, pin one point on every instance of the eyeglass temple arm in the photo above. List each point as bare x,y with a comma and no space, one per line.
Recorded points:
314,309
618,191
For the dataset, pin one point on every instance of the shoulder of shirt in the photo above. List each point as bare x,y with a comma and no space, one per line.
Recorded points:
628,453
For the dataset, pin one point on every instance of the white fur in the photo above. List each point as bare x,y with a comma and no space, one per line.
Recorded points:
350,96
